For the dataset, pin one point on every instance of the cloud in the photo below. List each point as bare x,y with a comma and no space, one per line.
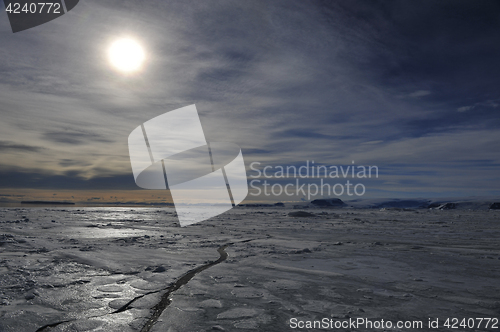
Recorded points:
487,104
74,138
6,145
32,178
71,163
419,93
465,108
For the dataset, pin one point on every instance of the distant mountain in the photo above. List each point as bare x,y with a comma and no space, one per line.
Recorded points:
447,203
328,202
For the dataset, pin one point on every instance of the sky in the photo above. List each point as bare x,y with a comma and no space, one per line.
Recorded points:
412,87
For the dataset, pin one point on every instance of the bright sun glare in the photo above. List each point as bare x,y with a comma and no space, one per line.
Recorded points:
126,55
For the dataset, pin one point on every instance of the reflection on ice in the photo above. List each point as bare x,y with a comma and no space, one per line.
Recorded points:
101,233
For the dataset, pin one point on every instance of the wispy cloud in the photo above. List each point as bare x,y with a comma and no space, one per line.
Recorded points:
419,93
5,145
74,138
487,103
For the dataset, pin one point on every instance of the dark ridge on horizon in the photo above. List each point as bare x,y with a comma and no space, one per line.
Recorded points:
47,202
127,203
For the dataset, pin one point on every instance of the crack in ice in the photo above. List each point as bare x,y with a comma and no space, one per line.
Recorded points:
165,300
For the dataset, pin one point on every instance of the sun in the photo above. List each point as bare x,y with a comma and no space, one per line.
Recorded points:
126,55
